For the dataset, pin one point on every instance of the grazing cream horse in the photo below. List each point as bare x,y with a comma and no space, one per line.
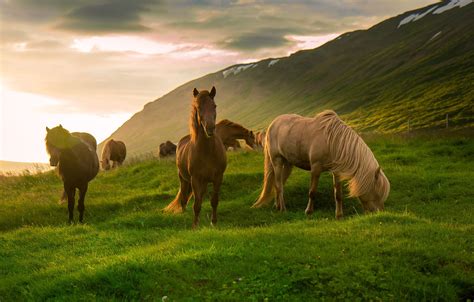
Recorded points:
322,143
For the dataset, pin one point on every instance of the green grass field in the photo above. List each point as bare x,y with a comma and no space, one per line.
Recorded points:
420,248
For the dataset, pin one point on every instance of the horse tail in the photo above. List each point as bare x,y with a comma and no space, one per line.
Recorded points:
175,205
268,191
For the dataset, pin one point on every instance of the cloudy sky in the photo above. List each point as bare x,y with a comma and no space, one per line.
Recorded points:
91,64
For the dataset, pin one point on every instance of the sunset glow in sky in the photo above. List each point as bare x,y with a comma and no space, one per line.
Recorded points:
90,65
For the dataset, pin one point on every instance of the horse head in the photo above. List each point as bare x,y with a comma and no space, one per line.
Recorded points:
374,199
205,107
57,139
250,139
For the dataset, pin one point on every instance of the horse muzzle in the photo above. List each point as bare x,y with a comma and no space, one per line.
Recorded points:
209,130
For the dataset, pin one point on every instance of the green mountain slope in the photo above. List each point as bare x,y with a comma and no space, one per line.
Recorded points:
376,79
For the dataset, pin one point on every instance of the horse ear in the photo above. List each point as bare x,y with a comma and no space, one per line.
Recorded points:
195,92
212,94
47,129
377,173
60,126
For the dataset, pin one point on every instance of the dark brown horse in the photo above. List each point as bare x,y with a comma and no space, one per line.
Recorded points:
201,157
167,148
86,138
230,132
114,151
77,164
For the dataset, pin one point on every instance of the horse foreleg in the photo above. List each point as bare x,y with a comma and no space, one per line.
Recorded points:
315,173
278,167
215,198
199,190
337,195
71,192
80,206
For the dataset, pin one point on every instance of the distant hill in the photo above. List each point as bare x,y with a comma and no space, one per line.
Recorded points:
417,66
16,168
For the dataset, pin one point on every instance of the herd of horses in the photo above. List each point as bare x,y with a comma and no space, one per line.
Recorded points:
317,144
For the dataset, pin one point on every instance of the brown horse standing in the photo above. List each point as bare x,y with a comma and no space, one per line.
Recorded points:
201,157
77,164
230,132
114,151
86,138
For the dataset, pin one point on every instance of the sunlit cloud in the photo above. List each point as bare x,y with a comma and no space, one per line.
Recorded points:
123,44
24,117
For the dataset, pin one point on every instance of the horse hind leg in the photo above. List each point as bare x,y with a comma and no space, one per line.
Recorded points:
338,195
71,192
63,198
268,192
315,173
278,166
80,206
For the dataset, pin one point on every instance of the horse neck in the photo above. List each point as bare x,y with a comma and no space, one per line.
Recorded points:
236,133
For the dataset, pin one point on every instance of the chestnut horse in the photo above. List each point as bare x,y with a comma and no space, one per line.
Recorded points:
322,143
114,151
200,158
230,132
77,164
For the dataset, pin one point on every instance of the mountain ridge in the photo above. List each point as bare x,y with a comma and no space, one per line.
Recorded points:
376,79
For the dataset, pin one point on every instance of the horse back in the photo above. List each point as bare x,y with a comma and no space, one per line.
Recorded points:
300,140
87,138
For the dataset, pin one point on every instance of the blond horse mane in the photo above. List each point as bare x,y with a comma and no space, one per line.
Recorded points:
351,158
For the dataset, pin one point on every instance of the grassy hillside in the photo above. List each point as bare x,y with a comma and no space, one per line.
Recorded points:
420,248
377,79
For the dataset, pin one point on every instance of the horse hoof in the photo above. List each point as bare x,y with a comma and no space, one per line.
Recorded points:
308,212
339,217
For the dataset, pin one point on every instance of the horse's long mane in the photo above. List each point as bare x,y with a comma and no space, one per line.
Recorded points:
350,156
193,121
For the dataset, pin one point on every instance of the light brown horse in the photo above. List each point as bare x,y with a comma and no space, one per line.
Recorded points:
201,157
322,143
114,151
77,164
230,132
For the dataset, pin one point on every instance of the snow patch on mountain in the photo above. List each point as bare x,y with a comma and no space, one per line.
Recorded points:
273,62
436,35
436,10
452,4
415,17
237,69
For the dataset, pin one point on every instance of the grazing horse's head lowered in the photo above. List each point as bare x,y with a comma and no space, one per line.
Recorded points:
204,111
374,198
